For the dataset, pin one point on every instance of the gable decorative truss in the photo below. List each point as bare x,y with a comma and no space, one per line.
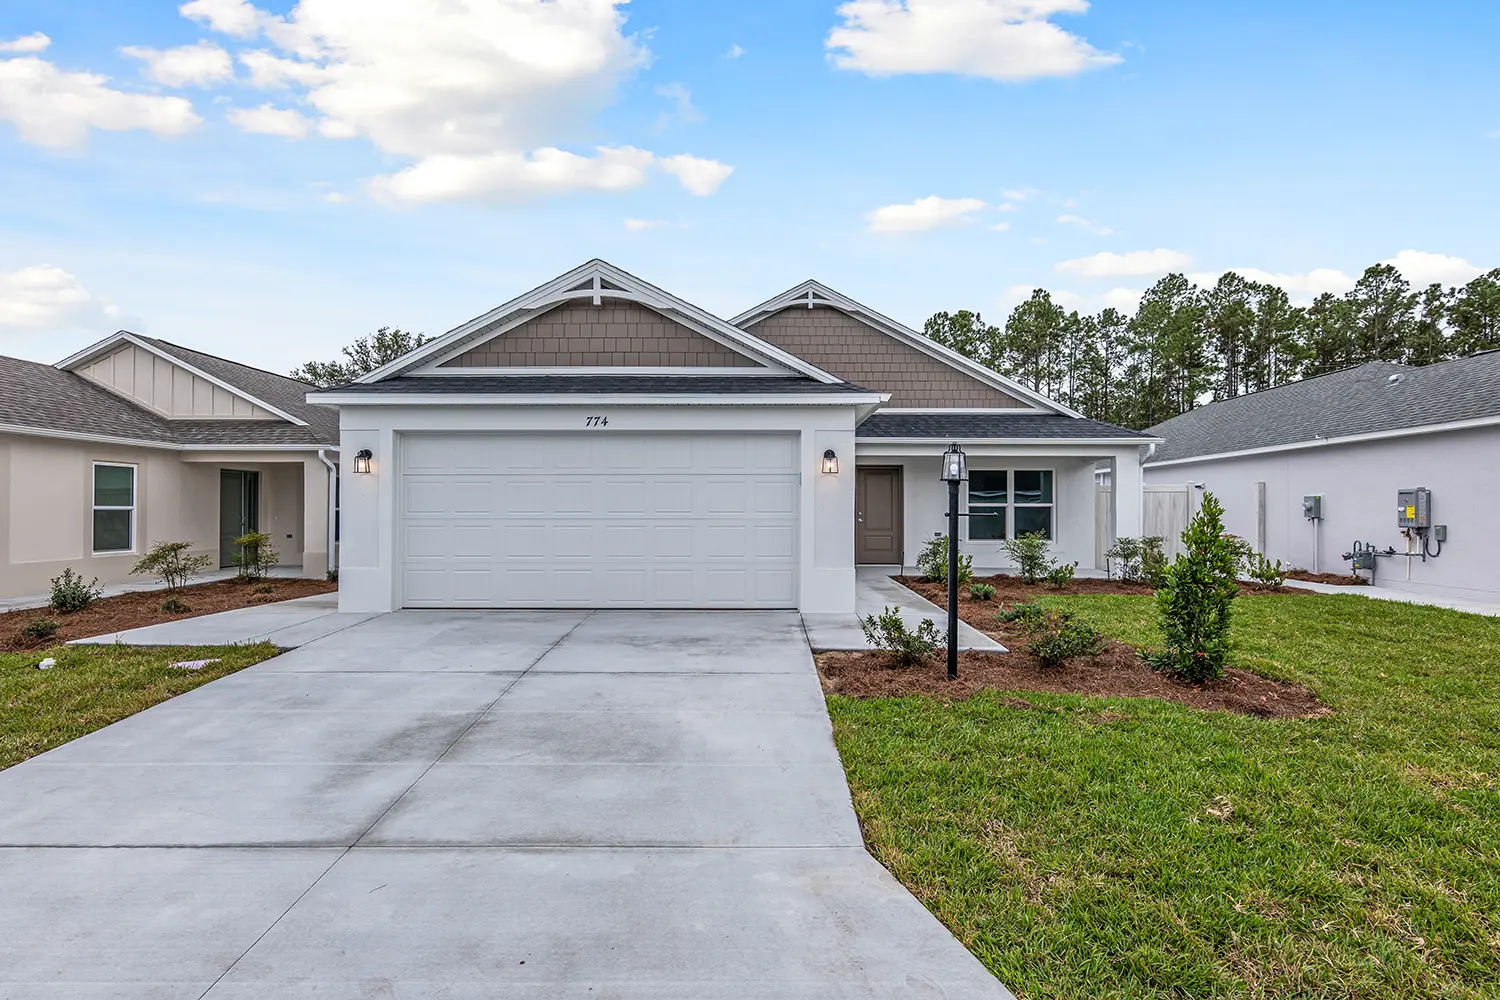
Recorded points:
814,294
596,283
116,341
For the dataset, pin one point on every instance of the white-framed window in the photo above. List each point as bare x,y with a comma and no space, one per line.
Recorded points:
1008,503
114,507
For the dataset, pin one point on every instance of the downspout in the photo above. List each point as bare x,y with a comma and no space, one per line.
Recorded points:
333,499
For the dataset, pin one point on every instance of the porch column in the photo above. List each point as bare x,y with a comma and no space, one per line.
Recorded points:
314,519
1127,481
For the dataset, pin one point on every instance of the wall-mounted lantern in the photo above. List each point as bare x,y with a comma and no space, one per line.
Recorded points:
362,460
830,463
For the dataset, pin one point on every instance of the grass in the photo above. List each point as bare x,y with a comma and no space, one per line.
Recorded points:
92,686
1093,847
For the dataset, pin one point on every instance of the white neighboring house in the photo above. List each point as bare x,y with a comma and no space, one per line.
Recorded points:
600,443
135,441
1355,439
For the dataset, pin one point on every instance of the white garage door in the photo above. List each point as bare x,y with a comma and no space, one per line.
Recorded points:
599,520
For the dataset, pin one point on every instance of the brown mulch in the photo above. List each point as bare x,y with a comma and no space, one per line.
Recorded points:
127,611
1337,579
1010,590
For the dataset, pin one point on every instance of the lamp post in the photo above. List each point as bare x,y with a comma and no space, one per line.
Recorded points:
955,471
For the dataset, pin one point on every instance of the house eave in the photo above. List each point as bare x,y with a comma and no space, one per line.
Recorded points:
872,400
1399,432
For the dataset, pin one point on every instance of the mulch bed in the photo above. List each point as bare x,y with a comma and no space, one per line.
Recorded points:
1118,671
127,611
1337,579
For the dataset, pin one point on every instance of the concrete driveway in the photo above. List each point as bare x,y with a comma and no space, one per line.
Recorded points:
645,806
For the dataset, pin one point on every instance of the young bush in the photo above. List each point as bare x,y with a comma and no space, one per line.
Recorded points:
1137,560
1194,600
40,629
255,555
1061,639
932,563
174,606
1029,552
1061,574
173,563
1026,617
981,592
1264,571
70,593
266,588
888,633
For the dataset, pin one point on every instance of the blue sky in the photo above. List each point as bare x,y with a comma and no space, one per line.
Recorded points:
1108,142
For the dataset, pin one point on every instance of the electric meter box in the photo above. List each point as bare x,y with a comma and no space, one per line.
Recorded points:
1413,508
1312,508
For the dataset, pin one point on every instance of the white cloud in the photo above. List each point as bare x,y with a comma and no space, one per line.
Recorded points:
1085,224
509,175
1126,300
44,297
683,108
1134,264
186,66
1019,194
336,198
1426,268
925,213
230,17
35,42
641,225
270,120
55,109
998,39
699,176
1001,227
269,71
1300,288
734,52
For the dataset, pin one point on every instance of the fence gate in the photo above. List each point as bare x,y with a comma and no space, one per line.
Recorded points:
1167,511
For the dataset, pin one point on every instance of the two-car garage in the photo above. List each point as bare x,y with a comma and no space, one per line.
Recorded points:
599,519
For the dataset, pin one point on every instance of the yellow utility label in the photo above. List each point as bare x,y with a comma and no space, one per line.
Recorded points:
1411,513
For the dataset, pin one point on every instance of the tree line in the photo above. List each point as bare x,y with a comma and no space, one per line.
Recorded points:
1186,346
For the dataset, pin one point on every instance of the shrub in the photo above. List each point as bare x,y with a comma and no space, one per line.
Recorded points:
981,592
888,633
1026,617
173,563
1264,571
1194,599
255,555
1061,639
173,606
932,563
1137,560
1029,553
40,629
70,593
266,588
1061,574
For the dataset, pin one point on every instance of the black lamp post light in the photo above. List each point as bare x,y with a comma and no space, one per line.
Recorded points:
955,471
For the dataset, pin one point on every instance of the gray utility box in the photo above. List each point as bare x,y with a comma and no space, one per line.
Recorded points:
1312,508
1413,508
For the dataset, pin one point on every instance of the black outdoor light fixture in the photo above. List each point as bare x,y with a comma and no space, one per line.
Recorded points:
362,460
830,463
955,471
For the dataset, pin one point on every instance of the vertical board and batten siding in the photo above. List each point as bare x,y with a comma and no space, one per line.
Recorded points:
1166,512
169,389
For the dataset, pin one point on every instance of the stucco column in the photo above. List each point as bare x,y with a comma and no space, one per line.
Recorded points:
314,519
1128,482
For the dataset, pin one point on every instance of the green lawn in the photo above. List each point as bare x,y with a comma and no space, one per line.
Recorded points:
1110,847
93,686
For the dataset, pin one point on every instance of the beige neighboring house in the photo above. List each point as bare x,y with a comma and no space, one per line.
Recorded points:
135,441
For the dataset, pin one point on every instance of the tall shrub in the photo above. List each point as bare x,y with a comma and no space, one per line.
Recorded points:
1194,598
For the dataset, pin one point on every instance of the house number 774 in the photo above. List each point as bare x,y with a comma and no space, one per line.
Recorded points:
596,421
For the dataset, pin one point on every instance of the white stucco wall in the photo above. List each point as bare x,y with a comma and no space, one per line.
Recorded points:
1358,483
368,575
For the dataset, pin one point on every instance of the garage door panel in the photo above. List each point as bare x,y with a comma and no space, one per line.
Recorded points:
600,520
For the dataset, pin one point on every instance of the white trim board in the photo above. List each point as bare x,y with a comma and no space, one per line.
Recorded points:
595,399
1400,432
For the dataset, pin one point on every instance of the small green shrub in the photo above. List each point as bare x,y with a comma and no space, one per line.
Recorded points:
1195,598
40,629
255,555
1061,639
266,588
981,591
888,633
174,606
1029,552
1137,560
173,562
1061,574
1264,571
70,593
932,563
1027,617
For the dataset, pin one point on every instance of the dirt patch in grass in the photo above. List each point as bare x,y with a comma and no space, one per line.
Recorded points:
1117,672
127,611
1337,579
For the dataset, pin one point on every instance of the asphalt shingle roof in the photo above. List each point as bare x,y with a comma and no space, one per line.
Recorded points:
1378,396
525,385
993,424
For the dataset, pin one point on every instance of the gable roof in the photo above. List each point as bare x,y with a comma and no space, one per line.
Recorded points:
994,425
811,294
595,281
1379,398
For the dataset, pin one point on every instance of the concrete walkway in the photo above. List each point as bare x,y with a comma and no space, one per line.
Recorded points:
874,592
644,806
1378,593
287,624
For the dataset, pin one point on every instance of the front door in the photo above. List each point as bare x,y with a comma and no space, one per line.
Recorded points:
239,510
877,516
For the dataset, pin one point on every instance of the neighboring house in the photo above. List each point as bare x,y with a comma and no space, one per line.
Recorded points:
136,441
1355,438
598,442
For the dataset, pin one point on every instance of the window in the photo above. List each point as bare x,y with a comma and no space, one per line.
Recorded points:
1033,502
114,508
988,495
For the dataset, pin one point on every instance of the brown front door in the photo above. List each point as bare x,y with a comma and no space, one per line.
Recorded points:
877,516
